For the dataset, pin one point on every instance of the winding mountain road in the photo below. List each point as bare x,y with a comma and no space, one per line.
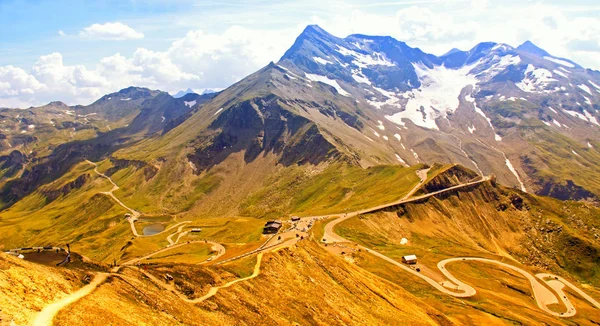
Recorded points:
454,287
331,237
134,214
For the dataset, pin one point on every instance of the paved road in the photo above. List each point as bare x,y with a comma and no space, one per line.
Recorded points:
554,285
47,314
542,295
331,237
454,287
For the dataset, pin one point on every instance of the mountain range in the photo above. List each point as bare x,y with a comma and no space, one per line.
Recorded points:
336,125
520,113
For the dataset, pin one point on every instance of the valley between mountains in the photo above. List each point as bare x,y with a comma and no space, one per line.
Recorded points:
481,163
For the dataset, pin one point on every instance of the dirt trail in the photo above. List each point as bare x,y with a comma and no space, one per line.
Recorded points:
215,247
47,314
134,214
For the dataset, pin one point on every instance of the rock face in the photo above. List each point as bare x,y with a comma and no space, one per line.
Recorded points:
453,176
79,182
12,163
258,127
118,164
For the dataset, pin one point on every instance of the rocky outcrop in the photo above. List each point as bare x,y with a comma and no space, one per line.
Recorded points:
119,164
52,167
260,126
453,176
73,125
566,190
12,163
53,194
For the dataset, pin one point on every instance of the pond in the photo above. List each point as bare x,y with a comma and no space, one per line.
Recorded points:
153,229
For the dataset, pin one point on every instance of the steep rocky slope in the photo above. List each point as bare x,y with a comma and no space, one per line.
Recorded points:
474,107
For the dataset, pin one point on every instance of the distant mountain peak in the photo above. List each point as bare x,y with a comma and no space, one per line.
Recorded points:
314,29
182,93
453,50
57,103
531,48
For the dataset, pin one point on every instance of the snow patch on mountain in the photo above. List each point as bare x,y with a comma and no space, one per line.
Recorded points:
496,65
126,99
560,73
547,123
551,109
590,145
593,84
219,110
514,172
469,98
591,118
190,103
560,62
575,114
536,80
401,160
438,95
380,125
292,75
471,128
359,77
586,116
574,152
330,82
397,137
322,61
585,88
385,137
365,60
415,154
556,122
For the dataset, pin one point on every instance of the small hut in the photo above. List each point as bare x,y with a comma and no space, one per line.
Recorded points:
409,259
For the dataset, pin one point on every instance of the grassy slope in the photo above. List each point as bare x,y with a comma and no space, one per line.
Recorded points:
547,236
311,286
554,157
85,217
41,284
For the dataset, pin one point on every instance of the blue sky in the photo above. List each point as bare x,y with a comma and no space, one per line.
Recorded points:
76,51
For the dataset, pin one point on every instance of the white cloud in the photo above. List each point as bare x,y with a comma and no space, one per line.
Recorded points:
16,81
110,31
440,26
204,58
